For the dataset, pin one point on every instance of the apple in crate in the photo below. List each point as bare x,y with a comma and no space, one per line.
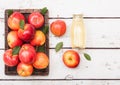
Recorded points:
38,39
24,69
10,59
36,19
41,61
13,40
26,33
27,54
71,58
14,20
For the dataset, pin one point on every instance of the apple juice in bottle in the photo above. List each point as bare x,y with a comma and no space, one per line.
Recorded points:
78,32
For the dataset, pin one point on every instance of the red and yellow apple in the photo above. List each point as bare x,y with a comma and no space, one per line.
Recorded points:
14,20
36,19
10,59
13,40
24,69
38,39
27,33
58,27
71,58
27,54
41,61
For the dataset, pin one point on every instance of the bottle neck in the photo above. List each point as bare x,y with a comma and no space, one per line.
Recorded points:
77,17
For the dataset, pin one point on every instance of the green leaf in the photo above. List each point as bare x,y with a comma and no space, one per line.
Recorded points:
44,10
22,23
16,50
87,56
58,46
10,12
45,29
40,48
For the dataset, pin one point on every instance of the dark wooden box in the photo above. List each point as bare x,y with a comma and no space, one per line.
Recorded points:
26,12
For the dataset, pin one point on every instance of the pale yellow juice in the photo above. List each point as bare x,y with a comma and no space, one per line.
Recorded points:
78,34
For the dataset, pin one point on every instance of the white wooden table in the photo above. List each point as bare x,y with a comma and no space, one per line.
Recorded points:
102,22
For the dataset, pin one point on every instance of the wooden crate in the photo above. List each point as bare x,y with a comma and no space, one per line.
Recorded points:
26,12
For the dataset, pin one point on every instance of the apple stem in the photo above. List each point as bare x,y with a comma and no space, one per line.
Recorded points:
37,48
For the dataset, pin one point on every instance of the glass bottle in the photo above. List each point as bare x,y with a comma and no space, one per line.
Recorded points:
78,32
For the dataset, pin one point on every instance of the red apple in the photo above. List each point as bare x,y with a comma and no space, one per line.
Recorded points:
14,20
41,61
10,59
36,19
58,27
27,54
24,69
27,33
71,58
13,39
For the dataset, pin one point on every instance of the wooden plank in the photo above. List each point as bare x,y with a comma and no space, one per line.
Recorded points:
105,64
100,33
12,70
76,82
94,8
2,34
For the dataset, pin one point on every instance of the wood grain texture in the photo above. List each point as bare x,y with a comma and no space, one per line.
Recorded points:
105,64
80,82
2,33
100,33
76,82
26,12
94,8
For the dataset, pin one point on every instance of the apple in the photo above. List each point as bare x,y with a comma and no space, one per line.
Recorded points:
71,58
36,19
14,20
13,40
10,59
24,69
41,61
38,39
27,54
58,27
27,33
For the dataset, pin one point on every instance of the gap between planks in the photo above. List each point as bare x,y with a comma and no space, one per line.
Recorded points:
90,48
84,48
55,79
83,17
